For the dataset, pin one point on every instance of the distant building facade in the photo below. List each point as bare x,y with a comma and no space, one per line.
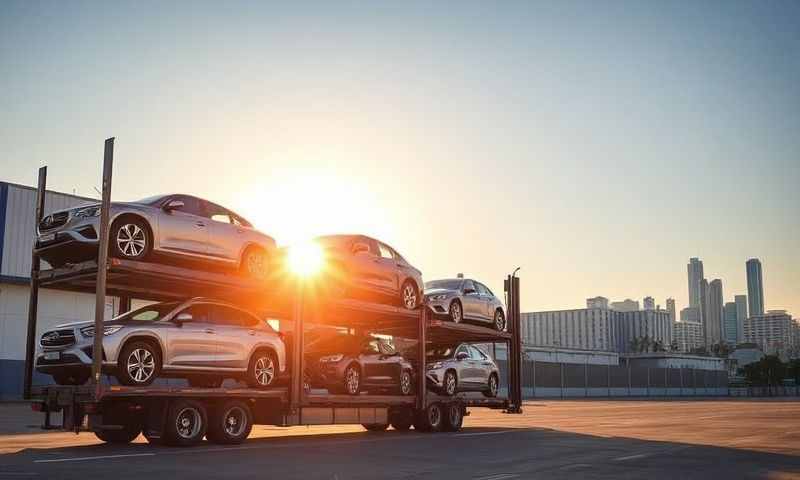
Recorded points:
597,302
688,334
671,309
741,316
773,331
690,314
704,307
755,287
626,305
649,303
730,324
714,319
695,275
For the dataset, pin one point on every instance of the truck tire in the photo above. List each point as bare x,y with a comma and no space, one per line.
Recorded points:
186,423
453,417
230,423
119,436
430,419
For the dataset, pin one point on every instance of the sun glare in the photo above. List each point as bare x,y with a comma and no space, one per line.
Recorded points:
305,259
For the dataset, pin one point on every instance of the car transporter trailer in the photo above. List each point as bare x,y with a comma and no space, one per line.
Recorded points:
182,415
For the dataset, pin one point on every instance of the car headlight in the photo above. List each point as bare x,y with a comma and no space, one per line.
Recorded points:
87,212
437,298
331,358
89,331
435,366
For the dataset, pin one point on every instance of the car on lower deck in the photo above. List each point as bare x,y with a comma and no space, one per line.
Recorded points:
350,364
181,227
454,368
464,299
203,340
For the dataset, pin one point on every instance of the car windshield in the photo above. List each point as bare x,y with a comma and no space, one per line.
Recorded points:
151,200
440,353
444,284
149,313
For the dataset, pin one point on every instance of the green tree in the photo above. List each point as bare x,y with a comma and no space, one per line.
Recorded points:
768,371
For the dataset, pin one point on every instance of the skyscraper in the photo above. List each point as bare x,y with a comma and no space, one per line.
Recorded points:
695,273
755,287
741,316
730,327
703,298
714,318
649,303
671,308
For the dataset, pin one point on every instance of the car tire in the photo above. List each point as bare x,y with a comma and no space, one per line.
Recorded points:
230,423
456,312
205,381
186,423
409,295
254,263
450,383
263,370
119,436
130,238
375,427
453,417
491,390
352,379
406,386
138,364
429,419
499,320
71,378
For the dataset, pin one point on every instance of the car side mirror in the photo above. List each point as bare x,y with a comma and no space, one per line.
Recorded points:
360,248
183,318
460,356
469,291
173,205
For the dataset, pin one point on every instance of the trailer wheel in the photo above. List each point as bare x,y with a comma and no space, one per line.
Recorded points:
430,419
230,423
453,418
125,435
186,423
375,427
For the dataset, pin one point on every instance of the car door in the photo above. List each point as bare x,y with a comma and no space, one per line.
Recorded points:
225,238
370,361
183,229
389,270
365,267
236,334
471,300
465,368
192,343
389,367
486,298
483,366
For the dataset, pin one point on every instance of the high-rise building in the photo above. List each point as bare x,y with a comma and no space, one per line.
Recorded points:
755,287
713,322
626,305
688,335
730,324
704,307
741,316
649,303
690,314
671,309
695,273
772,331
597,302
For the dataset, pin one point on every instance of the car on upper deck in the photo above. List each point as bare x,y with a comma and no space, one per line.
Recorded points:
465,299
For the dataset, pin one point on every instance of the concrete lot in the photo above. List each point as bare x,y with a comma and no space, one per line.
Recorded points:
552,439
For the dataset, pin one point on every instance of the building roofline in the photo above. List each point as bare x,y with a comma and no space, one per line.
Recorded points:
28,187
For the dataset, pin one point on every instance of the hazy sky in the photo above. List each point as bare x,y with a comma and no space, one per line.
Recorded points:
598,145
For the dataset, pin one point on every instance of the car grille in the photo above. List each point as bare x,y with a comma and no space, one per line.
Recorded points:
58,338
53,220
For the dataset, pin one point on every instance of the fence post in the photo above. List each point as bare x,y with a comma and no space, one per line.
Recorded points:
586,377
534,376
608,379
648,381
561,365
629,378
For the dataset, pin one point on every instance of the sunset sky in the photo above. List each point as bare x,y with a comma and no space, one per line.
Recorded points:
597,145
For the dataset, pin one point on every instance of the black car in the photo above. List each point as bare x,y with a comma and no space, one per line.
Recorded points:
344,363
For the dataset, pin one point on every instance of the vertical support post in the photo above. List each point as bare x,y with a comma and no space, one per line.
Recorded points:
102,266
422,339
514,347
295,395
124,304
33,300
534,376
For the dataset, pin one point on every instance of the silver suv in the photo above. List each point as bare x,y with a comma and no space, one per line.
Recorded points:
461,368
202,340
167,225
461,299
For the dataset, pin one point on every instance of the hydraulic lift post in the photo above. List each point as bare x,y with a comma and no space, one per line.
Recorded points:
33,301
102,265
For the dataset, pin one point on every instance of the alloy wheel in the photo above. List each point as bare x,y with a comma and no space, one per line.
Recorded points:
499,321
188,423
493,385
255,264
141,365
455,312
405,383
235,421
351,380
409,296
131,240
264,370
450,383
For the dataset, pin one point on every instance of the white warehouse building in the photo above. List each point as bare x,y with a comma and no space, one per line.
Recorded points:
17,231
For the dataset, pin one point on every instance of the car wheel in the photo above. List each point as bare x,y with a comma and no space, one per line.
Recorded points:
450,383
499,321
255,263
406,383
139,364
453,418
186,423
231,423
430,419
71,378
125,435
375,427
456,313
130,239
352,380
263,369
409,295
205,381
491,390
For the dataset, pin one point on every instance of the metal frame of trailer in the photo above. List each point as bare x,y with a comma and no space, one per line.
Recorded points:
284,299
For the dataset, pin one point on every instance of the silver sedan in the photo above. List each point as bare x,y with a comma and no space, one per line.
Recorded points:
461,299
200,339
461,368
168,225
